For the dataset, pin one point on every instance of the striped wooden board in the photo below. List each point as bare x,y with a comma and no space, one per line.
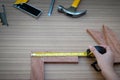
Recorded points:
55,33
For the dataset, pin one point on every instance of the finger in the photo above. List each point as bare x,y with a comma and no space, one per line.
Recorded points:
94,51
105,46
109,51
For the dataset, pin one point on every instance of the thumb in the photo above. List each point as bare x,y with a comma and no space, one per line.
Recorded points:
94,51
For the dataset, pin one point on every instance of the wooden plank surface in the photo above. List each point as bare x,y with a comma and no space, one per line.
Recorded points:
112,40
57,33
37,69
37,65
60,60
97,35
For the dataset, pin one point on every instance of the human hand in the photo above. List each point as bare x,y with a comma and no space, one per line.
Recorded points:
105,62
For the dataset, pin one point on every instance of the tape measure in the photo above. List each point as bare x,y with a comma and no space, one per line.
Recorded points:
40,54
87,53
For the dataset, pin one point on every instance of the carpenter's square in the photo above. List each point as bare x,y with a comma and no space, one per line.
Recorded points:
51,7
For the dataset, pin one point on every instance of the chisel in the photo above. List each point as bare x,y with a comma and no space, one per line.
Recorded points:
51,7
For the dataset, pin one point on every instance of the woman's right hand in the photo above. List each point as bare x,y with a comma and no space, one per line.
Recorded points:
105,62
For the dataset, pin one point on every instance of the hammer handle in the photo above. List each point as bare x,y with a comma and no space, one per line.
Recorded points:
75,3
20,1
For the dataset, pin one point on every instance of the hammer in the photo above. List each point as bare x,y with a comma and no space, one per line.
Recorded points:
71,11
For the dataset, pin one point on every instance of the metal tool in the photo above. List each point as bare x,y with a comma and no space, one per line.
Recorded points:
51,7
3,16
29,9
71,11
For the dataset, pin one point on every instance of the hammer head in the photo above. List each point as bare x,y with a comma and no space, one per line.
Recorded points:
71,11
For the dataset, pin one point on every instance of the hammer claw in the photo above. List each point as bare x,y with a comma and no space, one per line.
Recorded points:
71,12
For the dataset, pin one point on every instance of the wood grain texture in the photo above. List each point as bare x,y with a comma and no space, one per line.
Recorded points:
37,65
60,60
98,36
55,33
112,40
37,69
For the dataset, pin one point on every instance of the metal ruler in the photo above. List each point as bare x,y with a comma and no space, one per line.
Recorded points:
40,54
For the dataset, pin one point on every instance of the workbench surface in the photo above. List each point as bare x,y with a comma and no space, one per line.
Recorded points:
55,33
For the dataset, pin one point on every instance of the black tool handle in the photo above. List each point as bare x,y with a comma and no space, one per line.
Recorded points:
3,16
95,66
101,50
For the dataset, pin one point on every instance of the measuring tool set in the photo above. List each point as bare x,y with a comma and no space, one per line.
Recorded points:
35,12
87,53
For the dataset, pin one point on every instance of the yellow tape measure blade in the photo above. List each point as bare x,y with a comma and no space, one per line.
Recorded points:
40,54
